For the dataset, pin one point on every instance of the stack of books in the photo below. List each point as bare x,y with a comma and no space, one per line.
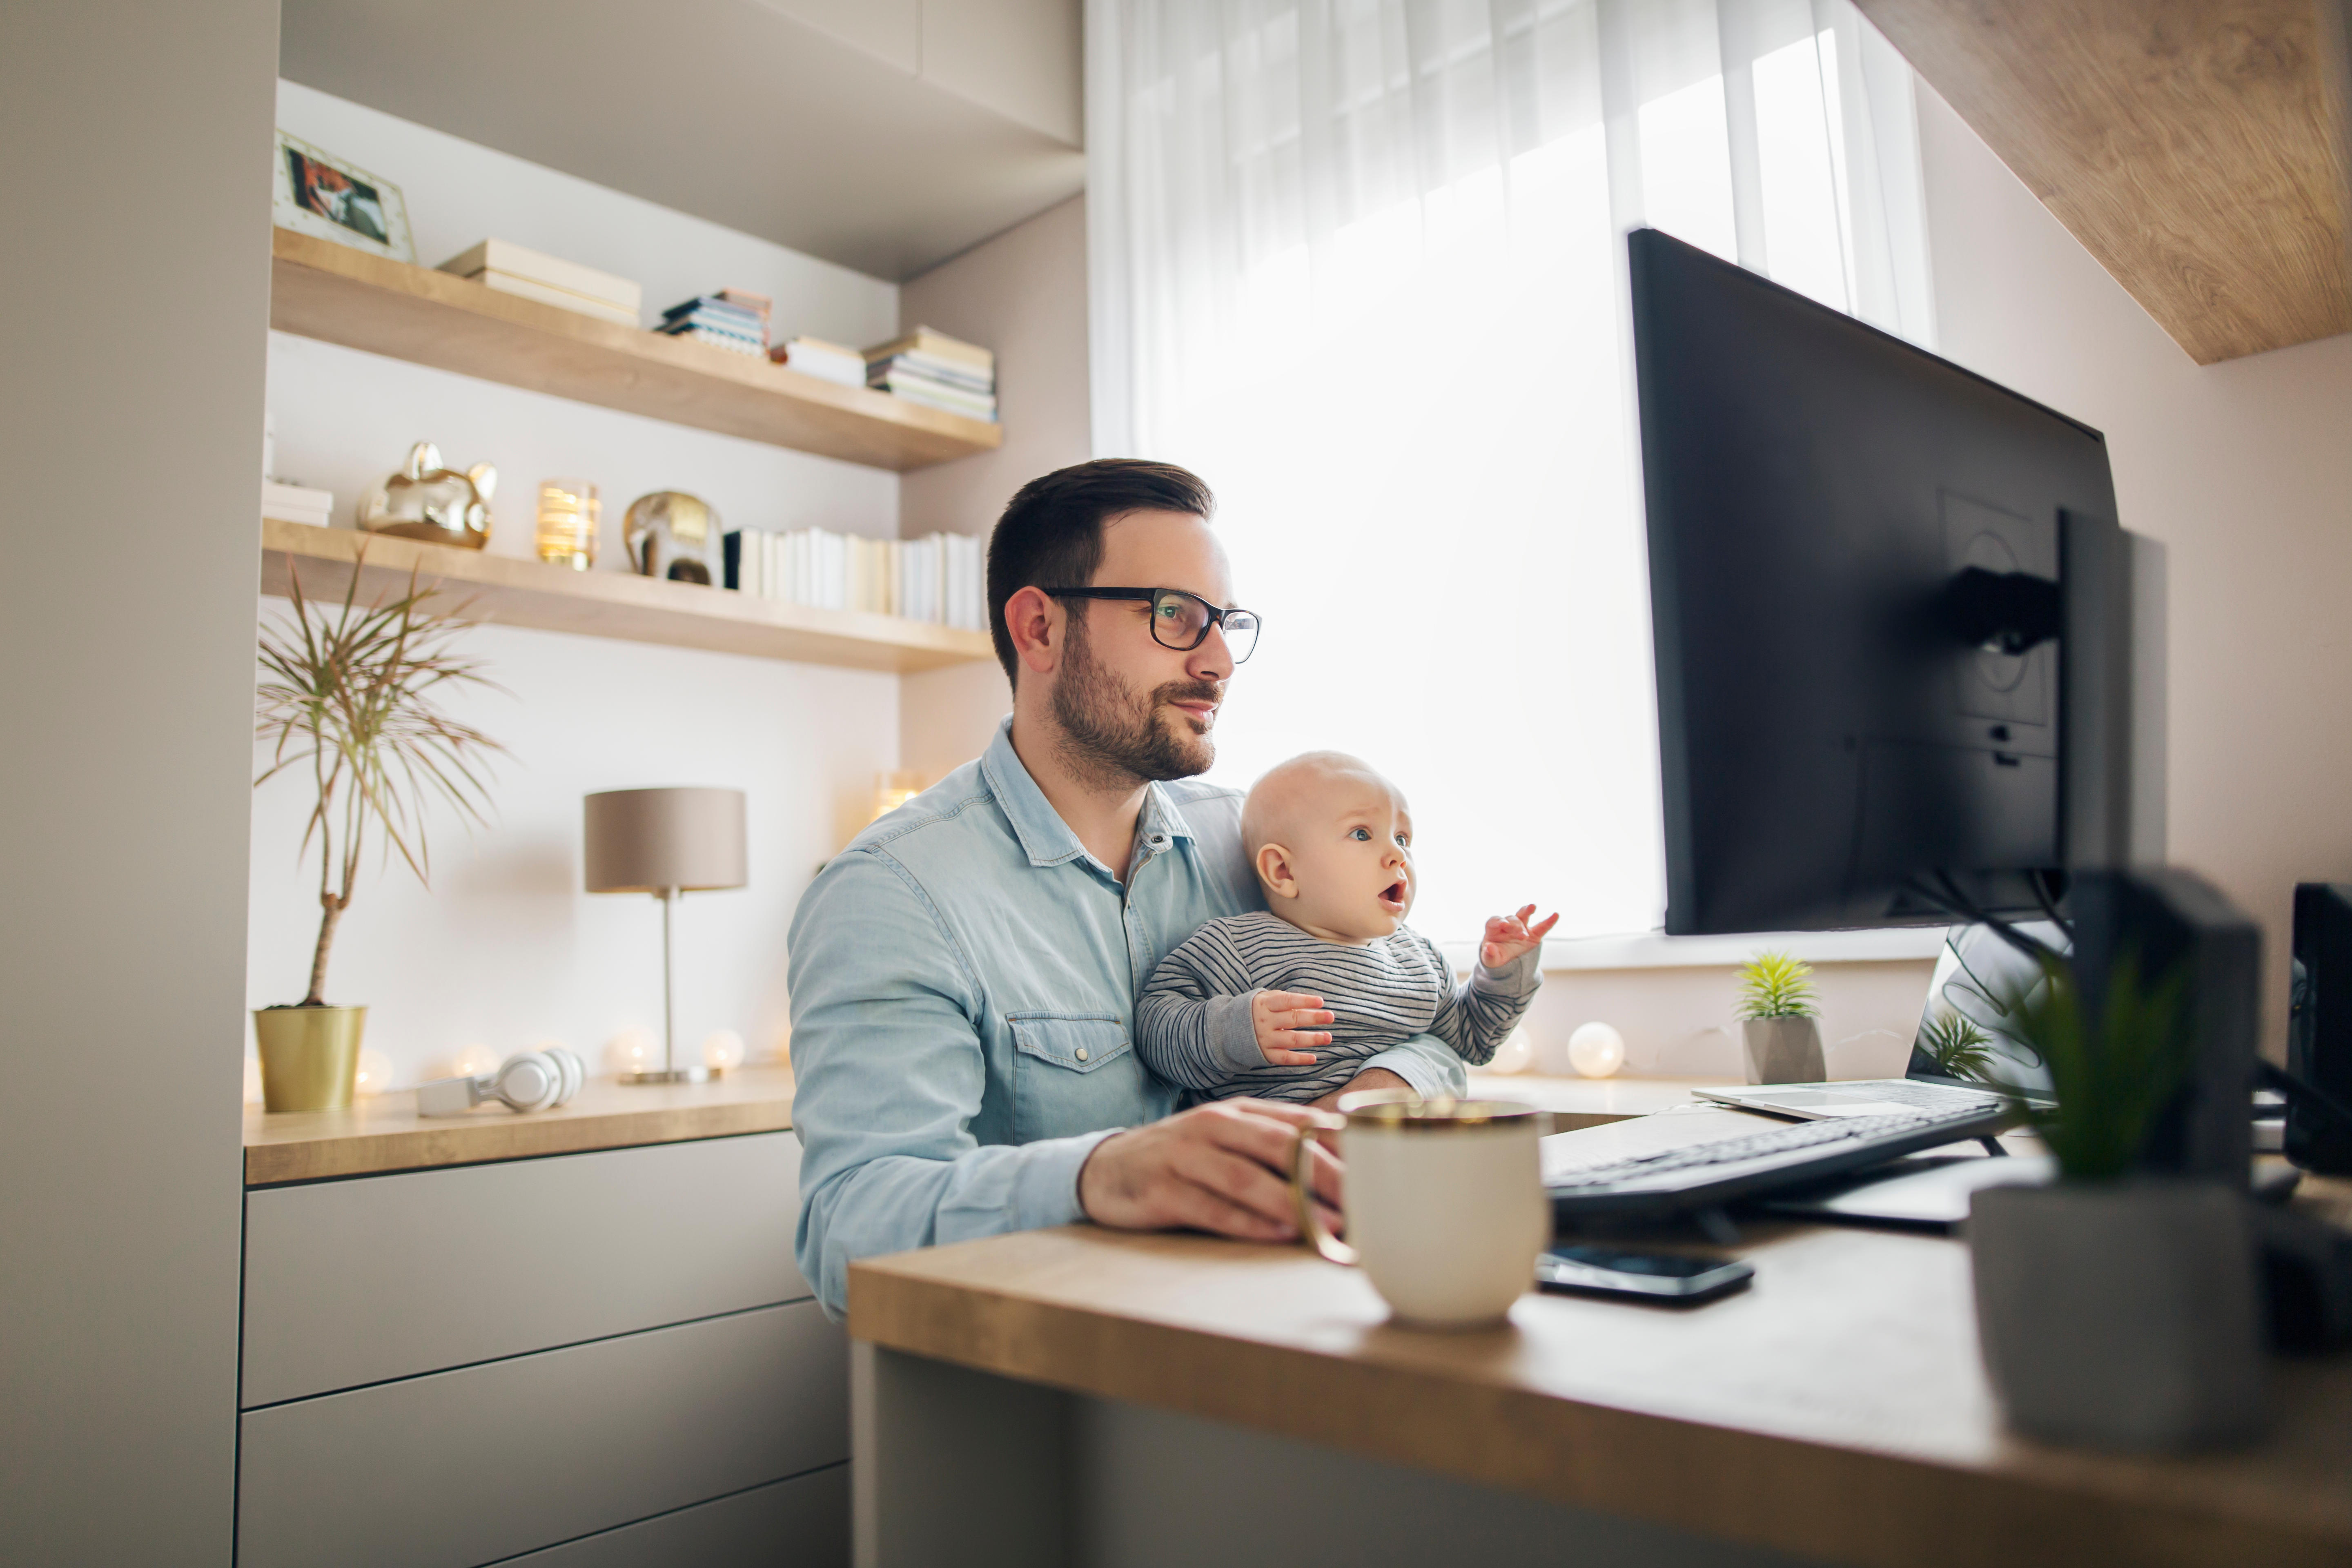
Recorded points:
826,362
292,503
732,319
942,578
936,371
509,269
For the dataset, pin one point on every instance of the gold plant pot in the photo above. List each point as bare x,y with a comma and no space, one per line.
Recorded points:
309,1055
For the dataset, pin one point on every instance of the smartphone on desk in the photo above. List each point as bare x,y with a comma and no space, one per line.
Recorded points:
1668,1277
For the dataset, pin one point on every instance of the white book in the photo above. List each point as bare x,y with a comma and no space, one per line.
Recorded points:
504,255
550,294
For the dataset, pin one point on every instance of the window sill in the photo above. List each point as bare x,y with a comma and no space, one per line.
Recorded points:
1656,949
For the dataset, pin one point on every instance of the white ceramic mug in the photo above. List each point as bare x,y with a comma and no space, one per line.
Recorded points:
1443,1199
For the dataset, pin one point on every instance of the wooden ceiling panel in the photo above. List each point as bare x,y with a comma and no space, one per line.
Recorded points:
2196,148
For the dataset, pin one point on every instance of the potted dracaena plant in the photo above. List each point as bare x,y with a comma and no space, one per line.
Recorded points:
2113,1309
1779,1029
349,700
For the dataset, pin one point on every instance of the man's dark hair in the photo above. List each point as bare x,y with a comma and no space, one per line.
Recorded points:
1051,535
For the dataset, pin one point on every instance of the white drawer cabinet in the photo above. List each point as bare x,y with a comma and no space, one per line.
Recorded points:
784,1524
597,1358
357,1281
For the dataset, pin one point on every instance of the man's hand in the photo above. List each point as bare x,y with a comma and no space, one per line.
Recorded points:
1370,1078
1286,1022
1509,936
1223,1167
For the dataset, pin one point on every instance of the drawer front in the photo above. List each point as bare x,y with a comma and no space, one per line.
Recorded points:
799,1523
355,1282
463,1467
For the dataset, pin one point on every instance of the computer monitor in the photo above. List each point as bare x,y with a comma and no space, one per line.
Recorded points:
2319,1025
1892,614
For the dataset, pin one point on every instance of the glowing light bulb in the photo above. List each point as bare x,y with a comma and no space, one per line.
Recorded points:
633,1050
374,1074
722,1049
253,1080
473,1061
1515,1052
1596,1050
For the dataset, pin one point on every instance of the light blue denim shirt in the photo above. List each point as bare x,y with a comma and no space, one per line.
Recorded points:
963,981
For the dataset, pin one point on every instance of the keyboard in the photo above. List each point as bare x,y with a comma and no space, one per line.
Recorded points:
1705,1175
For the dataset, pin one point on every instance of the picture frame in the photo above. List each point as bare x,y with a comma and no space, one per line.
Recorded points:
315,193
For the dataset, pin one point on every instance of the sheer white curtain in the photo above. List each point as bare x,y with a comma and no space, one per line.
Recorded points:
1359,263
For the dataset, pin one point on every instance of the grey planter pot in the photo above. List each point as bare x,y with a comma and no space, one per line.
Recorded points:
2120,1316
1783,1050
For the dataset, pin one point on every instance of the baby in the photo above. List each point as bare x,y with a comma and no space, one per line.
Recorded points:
1291,1003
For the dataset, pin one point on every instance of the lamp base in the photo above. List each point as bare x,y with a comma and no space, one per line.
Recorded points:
673,1074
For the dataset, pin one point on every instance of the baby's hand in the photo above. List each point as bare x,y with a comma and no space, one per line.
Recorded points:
1287,1020
1509,936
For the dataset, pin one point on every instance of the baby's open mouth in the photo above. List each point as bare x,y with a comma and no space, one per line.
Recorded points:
1392,897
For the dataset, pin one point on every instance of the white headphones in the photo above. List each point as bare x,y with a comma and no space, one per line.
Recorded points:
527,1080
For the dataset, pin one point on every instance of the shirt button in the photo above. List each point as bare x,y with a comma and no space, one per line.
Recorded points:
1082,1053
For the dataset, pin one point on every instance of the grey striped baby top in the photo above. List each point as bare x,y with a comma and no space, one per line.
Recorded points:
1193,1022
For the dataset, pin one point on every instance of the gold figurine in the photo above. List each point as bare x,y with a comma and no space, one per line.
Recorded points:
426,500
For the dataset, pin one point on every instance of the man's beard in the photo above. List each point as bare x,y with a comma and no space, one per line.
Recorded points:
1110,734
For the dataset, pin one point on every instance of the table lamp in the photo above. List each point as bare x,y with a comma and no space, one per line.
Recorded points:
668,843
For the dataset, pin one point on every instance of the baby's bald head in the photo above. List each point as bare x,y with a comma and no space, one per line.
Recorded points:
1329,839
1288,793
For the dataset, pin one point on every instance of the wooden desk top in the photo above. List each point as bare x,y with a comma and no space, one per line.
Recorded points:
1837,1409
386,1133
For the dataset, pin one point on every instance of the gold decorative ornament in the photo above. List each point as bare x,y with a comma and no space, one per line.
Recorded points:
424,501
672,535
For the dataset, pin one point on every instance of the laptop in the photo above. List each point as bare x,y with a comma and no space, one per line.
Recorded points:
1976,977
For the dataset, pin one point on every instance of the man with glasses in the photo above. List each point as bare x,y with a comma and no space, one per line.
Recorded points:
963,974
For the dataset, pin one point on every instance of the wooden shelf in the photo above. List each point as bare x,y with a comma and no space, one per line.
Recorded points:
517,593
320,289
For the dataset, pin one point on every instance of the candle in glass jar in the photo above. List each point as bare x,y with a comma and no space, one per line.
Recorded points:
568,510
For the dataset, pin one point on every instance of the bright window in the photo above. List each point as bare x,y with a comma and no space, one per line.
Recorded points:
1360,265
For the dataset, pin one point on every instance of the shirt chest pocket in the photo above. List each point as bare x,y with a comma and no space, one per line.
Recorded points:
1073,1073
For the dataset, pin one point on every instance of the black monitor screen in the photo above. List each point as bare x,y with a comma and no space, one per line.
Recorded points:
1838,731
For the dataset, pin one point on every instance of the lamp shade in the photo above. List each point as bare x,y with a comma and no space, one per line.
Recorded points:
646,840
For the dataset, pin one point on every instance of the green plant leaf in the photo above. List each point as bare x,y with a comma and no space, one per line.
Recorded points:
1958,1047
1775,986
352,693
2112,1080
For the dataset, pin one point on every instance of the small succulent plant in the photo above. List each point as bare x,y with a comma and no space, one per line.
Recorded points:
1775,986
2111,1080
1958,1046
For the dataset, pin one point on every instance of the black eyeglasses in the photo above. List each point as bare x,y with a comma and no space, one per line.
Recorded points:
1181,620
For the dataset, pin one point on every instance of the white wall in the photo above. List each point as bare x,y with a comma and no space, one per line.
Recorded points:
130,390
2244,469
1683,1022
1022,294
505,948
